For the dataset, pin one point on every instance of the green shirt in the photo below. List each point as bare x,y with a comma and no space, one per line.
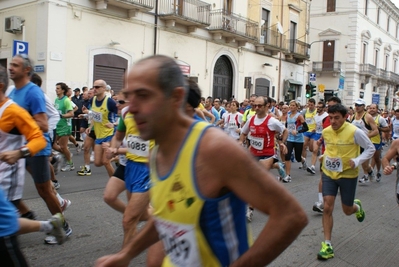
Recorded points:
63,105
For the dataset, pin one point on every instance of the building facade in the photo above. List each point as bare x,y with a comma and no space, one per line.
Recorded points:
232,48
355,50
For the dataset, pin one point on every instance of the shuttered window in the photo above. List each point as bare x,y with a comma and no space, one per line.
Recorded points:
330,5
111,69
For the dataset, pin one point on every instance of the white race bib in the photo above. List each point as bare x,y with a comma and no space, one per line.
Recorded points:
97,116
137,146
309,121
291,127
179,243
333,164
232,125
319,128
257,143
396,130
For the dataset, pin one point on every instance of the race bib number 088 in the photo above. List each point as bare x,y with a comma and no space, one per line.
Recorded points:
137,146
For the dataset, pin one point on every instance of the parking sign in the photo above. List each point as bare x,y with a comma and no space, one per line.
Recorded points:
20,47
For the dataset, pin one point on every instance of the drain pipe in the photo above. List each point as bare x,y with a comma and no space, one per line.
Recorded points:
156,27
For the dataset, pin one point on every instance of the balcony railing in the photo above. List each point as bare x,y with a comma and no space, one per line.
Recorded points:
368,69
233,23
382,74
326,66
394,77
190,10
140,4
297,47
272,38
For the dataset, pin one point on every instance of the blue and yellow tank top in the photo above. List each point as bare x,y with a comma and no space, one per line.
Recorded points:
100,117
195,230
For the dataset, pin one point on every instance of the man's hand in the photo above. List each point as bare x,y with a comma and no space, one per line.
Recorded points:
114,260
10,157
388,170
88,130
352,164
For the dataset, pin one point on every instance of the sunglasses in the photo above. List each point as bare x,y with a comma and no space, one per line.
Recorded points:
358,105
121,102
97,86
258,105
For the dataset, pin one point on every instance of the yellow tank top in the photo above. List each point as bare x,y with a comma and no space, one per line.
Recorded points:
137,148
340,148
100,117
377,138
195,230
309,118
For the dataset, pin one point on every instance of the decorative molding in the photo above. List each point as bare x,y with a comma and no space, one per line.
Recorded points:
366,35
378,41
291,6
329,32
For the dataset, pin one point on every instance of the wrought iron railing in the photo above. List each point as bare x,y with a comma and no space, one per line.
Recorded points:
150,4
332,66
272,38
222,20
298,47
193,10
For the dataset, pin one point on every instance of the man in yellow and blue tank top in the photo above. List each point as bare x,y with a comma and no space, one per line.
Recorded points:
199,199
102,112
340,167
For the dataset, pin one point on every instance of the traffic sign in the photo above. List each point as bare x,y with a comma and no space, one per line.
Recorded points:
375,99
312,77
321,88
19,47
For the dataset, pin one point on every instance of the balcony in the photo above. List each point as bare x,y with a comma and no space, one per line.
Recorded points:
233,27
368,70
270,42
394,77
326,66
131,5
186,12
297,50
382,75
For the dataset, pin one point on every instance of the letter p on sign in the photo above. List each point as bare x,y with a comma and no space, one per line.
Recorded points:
20,47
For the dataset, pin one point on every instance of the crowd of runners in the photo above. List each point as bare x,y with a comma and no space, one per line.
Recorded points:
154,139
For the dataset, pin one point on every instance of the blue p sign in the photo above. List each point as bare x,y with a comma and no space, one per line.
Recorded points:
20,47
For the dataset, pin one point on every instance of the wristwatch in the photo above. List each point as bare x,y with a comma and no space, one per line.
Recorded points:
24,152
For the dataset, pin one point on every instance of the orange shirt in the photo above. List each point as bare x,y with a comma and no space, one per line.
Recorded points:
16,120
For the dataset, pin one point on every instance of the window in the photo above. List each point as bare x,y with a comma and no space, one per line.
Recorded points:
374,89
366,6
330,5
265,26
292,36
386,61
377,52
378,15
362,86
397,31
364,54
395,65
389,19
228,6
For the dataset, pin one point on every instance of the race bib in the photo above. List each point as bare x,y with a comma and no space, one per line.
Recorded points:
309,121
291,127
396,130
333,164
137,146
96,116
232,125
179,243
319,128
257,143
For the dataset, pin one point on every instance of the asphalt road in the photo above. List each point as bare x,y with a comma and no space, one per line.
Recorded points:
97,229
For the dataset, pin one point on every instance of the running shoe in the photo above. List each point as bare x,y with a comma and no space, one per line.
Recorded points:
326,252
360,214
311,170
68,167
92,157
65,205
52,240
287,179
84,171
364,179
304,165
58,231
281,170
78,148
56,185
371,176
378,179
318,207
250,214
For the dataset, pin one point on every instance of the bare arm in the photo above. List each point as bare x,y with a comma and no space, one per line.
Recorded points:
253,184
374,128
391,153
69,114
41,120
209,115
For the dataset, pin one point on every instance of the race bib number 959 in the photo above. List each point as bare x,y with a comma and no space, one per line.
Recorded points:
333,164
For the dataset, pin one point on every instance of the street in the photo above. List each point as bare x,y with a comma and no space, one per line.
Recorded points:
97,229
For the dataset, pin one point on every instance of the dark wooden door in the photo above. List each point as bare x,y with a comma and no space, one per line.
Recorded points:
222,79
328,55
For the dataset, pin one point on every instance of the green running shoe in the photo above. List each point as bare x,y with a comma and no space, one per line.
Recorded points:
326,252
360,214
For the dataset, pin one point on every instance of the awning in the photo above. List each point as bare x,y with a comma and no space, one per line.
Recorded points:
292,81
